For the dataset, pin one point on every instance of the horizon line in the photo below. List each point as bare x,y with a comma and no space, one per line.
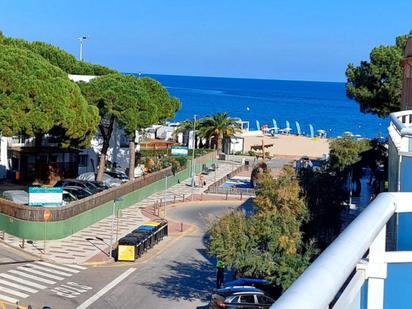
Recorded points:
230,77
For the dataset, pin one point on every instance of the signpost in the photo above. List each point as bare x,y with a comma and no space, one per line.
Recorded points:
46,217
179,151
46,197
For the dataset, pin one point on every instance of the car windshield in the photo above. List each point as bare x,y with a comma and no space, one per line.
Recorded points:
264,300
67,197
247,299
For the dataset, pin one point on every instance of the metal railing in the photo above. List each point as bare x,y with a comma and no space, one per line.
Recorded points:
217,189
402,121
357,257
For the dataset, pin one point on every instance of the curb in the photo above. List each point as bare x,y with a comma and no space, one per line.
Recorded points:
150,255
21,250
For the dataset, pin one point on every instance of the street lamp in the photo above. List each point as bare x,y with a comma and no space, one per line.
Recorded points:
81,39
119,199
193,154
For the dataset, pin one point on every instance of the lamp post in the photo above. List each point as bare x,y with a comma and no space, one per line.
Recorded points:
112,229
193,154
81,39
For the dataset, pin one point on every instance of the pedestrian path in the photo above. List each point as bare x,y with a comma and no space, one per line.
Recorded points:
95,239
28,279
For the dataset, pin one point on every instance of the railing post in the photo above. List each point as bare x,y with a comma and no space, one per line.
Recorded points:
377,271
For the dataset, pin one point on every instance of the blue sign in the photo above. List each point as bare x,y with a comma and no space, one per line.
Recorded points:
179,151
46,197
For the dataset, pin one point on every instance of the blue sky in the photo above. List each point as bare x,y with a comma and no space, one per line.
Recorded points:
272,39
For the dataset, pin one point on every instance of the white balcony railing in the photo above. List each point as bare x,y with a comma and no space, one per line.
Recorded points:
356,257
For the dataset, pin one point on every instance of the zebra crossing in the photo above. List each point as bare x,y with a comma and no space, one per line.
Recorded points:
28,279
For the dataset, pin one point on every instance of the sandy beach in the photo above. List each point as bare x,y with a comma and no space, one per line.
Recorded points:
288,146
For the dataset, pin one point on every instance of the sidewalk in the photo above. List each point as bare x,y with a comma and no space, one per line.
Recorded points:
95,239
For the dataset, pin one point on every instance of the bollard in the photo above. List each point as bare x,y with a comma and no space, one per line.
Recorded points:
181,226
174,199
183,198
241,193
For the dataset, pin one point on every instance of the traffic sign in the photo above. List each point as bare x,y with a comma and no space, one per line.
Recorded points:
46,215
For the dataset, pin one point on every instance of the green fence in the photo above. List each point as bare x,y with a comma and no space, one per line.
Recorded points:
35,230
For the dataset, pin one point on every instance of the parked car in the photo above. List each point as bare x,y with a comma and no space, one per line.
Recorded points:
118,175
78,192
245,297
107,180
261,284
68,197
100,185
17,196
79,183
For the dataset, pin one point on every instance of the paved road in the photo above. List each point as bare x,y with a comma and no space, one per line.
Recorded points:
181,277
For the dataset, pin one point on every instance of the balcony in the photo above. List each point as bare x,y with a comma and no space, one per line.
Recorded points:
357,270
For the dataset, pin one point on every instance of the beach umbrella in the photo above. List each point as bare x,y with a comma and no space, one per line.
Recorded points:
298,128
258,125
275,126
312,131
287,125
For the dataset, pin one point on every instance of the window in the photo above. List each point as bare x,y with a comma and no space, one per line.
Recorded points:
247,299
234,300
83,160
264,300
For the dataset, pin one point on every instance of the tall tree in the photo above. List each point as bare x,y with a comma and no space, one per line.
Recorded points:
166,108
37,98
219,126
269,244
377,84
124,99
58,57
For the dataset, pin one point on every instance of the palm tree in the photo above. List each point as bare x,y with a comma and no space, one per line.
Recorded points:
219,127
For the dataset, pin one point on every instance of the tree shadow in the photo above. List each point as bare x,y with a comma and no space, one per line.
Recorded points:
190,280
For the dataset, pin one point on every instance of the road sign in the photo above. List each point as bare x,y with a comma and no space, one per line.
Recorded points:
46,215
179,151
45,196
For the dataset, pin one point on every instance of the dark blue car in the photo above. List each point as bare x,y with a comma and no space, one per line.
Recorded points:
247,282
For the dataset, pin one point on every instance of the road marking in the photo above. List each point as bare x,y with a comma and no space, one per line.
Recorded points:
13,292
18,286
103,291
75,266
20,273
8,299
28,269
56,272
58,267
26,282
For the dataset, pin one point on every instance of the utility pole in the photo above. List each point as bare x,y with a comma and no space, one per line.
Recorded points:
112,229
81,39
193,154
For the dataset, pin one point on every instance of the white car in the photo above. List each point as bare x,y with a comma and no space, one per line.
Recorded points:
107,180
17,196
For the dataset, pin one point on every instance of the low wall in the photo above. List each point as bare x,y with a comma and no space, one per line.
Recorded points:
27,222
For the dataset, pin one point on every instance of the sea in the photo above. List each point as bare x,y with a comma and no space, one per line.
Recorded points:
323,105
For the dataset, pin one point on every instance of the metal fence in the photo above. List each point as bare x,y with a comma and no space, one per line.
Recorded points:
217,188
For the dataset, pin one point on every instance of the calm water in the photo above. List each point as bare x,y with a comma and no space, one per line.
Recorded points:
322,104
